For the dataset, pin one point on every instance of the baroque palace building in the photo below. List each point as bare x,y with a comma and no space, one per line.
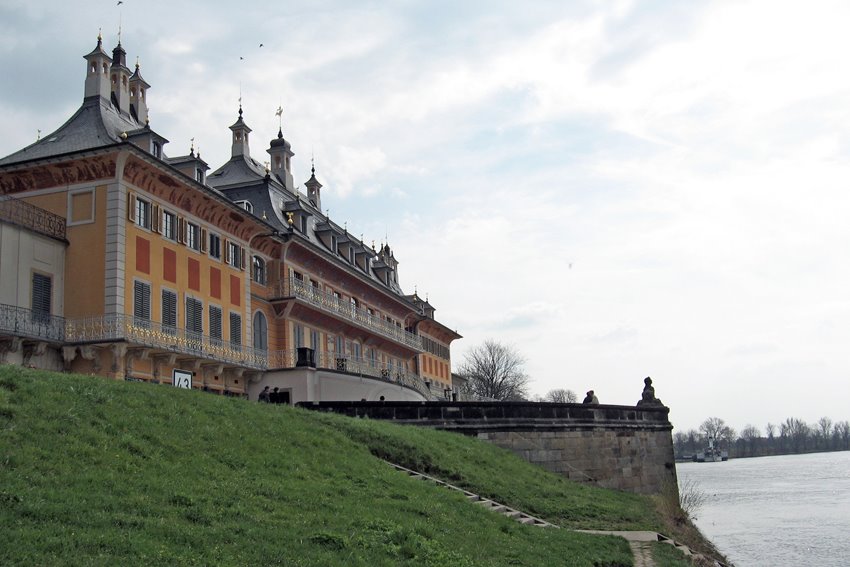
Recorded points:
120,261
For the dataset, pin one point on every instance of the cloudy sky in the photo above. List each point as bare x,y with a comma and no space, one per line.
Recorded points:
618,189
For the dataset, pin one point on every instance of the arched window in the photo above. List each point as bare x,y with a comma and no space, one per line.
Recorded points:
261,331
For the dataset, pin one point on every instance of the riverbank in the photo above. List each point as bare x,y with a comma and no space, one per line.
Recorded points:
111,472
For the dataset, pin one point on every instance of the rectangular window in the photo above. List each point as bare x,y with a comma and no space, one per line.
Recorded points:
236,329
340,346
194,316
42,293
169,312
142,303
193,236
143,213
215,323
259,269
215,246
169,225
234,257
303,223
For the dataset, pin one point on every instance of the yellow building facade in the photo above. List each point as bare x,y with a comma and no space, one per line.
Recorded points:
158,269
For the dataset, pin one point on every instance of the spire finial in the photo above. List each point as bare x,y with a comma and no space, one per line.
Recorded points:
99,36
191,146
137,63
279,114
313,164
39,135
240,99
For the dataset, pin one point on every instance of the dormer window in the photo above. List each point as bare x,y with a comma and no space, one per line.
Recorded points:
303,222
199,175
156,150
246,205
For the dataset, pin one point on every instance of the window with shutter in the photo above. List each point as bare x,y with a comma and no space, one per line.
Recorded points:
42,292
203,240
142,303
169,311
181,230
194,316
131,206
236,329
215,323
155,218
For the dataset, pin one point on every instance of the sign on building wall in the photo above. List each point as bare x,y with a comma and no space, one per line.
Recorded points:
181,379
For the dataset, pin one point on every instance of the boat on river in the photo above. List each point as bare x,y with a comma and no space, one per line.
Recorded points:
711,454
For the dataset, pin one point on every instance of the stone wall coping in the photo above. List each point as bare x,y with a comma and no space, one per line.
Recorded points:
492,416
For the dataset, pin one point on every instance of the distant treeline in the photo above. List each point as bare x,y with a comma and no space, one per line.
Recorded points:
791,436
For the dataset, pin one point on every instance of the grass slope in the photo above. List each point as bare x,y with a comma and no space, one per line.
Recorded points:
97,472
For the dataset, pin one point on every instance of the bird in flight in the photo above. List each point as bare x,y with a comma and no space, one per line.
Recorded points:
261,45
120,2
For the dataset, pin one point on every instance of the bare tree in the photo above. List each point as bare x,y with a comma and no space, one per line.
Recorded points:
750,436
494,370
561,396
824,427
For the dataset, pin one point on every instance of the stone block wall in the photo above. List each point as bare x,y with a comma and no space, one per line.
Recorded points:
621,447
634,460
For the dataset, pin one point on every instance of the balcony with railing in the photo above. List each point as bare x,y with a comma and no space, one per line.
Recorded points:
155,335
334,305
21,213
22,322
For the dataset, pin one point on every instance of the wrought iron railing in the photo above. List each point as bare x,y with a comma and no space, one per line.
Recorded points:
29,216
27,323
155,335
300,289
32,324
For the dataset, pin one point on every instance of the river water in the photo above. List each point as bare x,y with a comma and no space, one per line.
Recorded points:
790,510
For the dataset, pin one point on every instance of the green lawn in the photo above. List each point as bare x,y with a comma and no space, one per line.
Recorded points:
97,472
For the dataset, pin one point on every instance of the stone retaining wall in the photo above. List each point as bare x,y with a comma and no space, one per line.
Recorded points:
623,447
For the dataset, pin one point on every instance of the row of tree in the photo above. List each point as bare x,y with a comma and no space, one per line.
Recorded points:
788,437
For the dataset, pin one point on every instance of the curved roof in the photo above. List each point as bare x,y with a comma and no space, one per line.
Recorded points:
96,123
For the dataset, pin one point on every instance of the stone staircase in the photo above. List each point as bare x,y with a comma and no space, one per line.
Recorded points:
639,541
488,504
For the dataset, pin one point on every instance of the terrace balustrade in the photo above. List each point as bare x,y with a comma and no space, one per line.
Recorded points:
29,216
328,302
155,335
23,322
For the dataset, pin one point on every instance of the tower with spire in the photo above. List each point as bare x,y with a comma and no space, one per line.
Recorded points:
281,153
314,188
138,96
120,79
240,131
97,71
